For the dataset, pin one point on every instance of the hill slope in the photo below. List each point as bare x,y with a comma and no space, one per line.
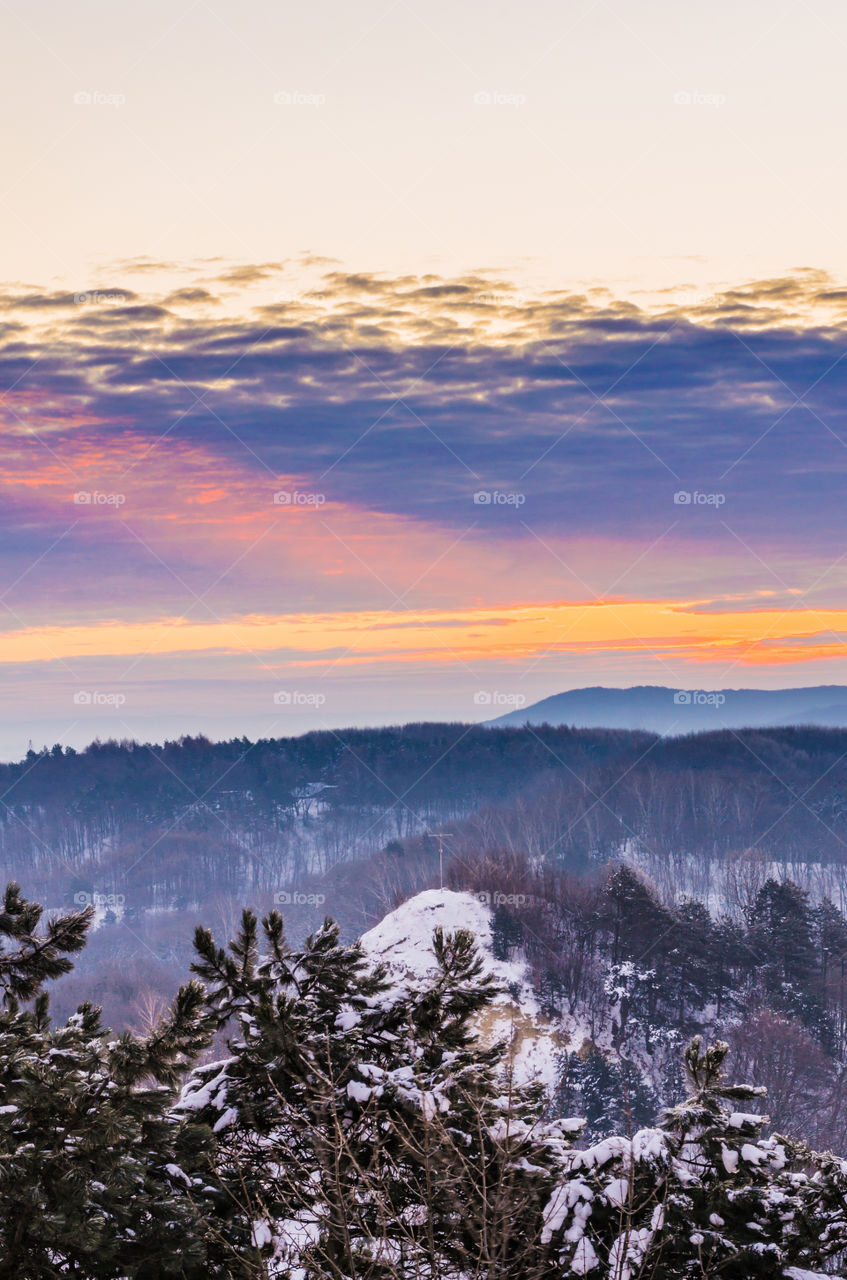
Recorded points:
671,711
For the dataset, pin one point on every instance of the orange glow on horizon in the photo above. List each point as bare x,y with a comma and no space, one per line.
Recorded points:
763,637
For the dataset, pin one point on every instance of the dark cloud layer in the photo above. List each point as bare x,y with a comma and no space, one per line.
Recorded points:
408,395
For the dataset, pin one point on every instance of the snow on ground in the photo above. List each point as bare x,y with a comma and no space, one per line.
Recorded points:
403,941
795,1273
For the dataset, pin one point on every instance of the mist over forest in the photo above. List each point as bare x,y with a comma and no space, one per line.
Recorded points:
349,824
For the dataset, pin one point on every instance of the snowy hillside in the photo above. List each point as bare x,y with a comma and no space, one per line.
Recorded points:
403,941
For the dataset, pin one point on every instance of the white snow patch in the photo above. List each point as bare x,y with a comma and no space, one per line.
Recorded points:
584,1259
617,1191
224,1121
262,1234
796,1273
403,940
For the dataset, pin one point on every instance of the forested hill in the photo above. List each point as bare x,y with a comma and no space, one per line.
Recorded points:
674,711
240,813
346,823
452,764
136,778
295,805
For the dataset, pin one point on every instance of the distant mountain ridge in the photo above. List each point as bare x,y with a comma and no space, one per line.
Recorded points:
659,709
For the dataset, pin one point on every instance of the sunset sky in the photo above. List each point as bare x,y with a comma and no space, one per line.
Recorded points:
363,361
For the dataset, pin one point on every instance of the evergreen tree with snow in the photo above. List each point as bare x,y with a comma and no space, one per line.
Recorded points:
703,1194
361,1127
610,1093
363,1130
92,1161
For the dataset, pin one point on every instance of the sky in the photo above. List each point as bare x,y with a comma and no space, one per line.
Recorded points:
384,362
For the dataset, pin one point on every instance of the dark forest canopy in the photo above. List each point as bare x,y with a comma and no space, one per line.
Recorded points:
489,761
783,790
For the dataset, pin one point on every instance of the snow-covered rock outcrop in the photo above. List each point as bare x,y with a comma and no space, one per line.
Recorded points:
403,942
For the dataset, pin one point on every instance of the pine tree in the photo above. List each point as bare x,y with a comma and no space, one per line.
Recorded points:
29,959
360,1123
730,960
91,1177
781,933
610,1093
703,1194
689,979
830,934
638,924
506,931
